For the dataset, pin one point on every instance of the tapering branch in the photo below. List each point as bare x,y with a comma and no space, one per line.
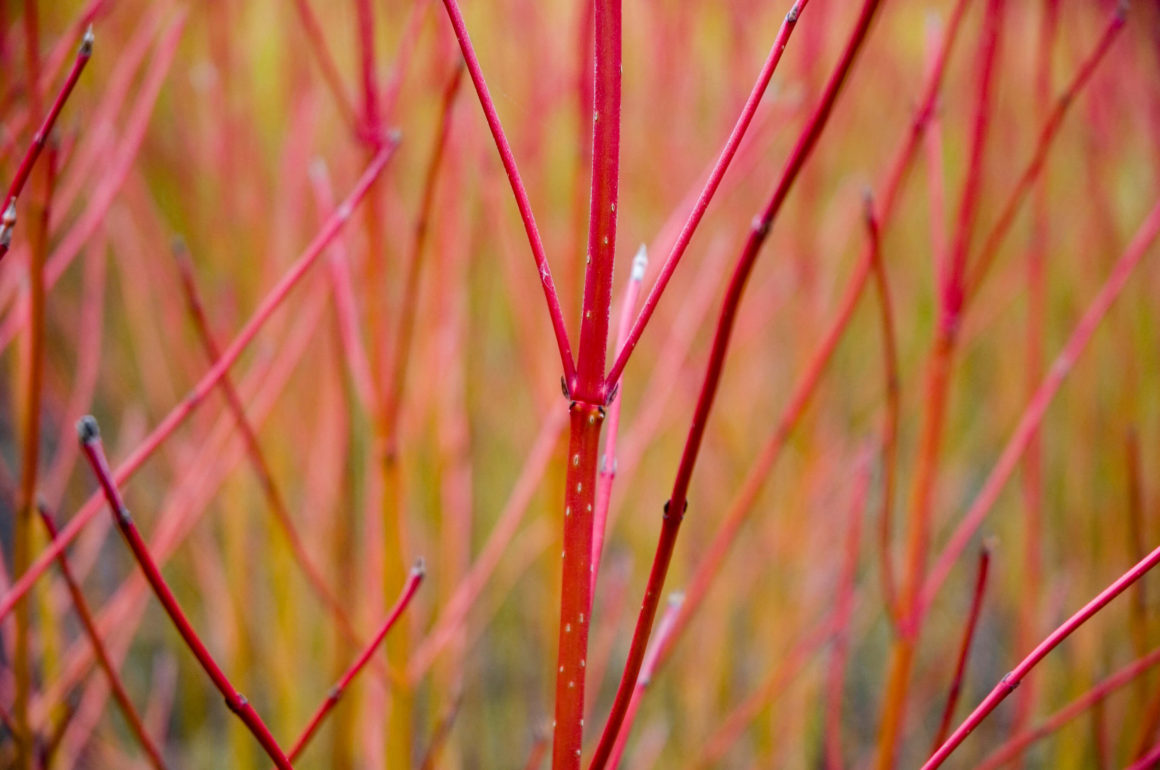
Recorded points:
517,185
90,438
674,509
624,349
418,572
964,648
84,53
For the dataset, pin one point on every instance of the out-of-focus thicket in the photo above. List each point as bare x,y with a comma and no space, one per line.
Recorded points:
403,398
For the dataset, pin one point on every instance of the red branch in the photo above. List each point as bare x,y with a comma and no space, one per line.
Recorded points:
1009,682
964,648
517,185
90,439
84,53
674,509
409,587
624,351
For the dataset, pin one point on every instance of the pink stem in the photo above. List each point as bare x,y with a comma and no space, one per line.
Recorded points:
1019,743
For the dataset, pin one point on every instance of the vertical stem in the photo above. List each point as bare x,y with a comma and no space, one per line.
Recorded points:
588,392
589,385
576,589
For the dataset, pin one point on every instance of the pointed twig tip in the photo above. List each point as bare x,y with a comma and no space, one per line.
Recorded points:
639,263
394,136
87,42
87,429
317,170
420,567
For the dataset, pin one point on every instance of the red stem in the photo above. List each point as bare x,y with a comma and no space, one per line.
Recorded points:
589,386
517,185
84,53
85,615
664,628
209,380
372,118
624,349
576,585
1012,679
807,385
675,507
1019,743
409,587
90,439
964,648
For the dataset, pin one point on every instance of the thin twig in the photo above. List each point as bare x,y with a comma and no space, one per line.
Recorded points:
418,571
90,439
120,695
517,185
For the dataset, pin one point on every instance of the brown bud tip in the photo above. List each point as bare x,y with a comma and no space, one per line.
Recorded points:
87,429
87,42
420,567
394,136
9,217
